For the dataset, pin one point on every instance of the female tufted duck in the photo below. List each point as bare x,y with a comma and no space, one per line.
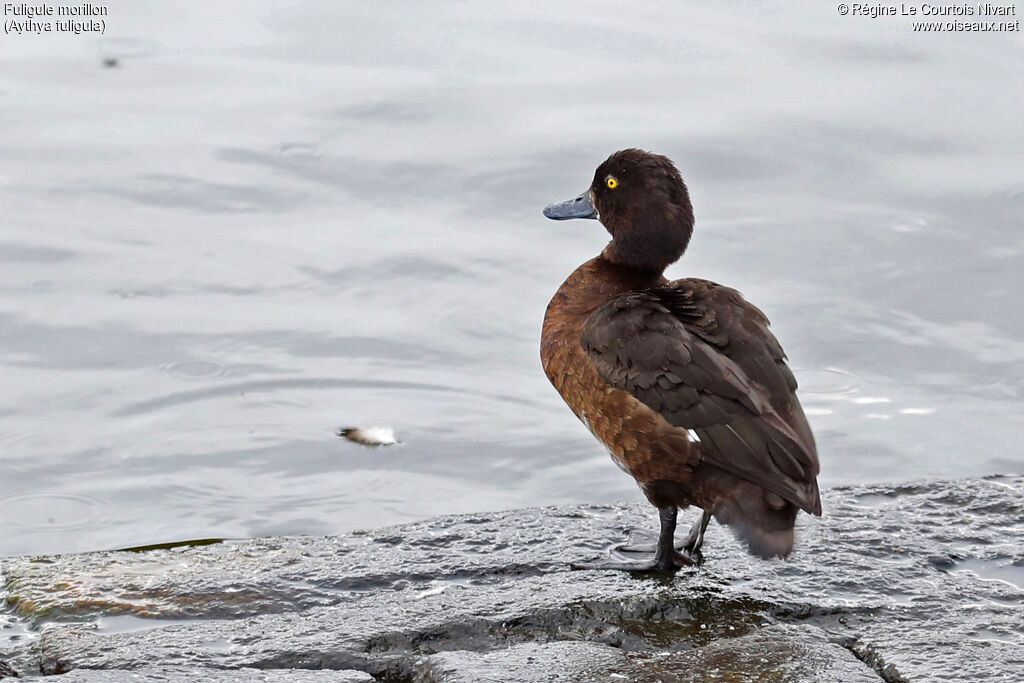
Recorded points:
681,380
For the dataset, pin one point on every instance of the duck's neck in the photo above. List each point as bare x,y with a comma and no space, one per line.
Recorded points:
650,240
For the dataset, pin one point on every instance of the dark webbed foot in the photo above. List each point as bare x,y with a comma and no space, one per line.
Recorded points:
666,556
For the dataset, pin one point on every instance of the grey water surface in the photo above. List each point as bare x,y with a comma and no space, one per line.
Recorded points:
230,229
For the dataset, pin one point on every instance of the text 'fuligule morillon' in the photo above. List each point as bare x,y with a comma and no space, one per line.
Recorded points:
24,9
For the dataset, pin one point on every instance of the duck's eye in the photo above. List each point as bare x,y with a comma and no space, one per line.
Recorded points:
612,182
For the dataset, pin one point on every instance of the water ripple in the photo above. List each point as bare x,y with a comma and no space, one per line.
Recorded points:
194,369
831,382
52,511
271,385
299,150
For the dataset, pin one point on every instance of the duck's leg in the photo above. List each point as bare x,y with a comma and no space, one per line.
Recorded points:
695,539
693,542
666,557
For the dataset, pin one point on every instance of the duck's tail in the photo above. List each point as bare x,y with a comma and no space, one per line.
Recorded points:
760,519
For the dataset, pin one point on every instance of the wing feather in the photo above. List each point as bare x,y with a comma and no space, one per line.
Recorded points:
703,358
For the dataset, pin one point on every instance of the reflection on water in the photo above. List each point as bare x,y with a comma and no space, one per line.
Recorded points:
260,229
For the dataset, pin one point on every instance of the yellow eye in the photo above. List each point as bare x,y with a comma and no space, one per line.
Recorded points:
612,182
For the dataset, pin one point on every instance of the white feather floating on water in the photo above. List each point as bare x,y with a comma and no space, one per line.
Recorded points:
369,436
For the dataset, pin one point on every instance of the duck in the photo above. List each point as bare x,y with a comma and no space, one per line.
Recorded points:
682,381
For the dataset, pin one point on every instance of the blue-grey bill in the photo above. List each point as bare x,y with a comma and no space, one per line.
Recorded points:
580,207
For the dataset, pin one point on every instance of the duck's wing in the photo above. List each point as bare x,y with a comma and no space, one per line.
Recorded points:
702,357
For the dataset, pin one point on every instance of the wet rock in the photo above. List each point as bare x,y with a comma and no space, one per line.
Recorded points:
780,652
214,676
921,582
558,662
773,653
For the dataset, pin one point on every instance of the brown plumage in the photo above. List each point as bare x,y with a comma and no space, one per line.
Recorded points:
682,381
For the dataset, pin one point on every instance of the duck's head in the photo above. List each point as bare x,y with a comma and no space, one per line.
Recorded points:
642,201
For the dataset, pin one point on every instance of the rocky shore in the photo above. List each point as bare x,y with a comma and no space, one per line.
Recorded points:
907,583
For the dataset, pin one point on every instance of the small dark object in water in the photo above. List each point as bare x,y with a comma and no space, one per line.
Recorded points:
682,381
111,62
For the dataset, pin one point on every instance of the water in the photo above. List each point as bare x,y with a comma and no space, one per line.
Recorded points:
265,223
